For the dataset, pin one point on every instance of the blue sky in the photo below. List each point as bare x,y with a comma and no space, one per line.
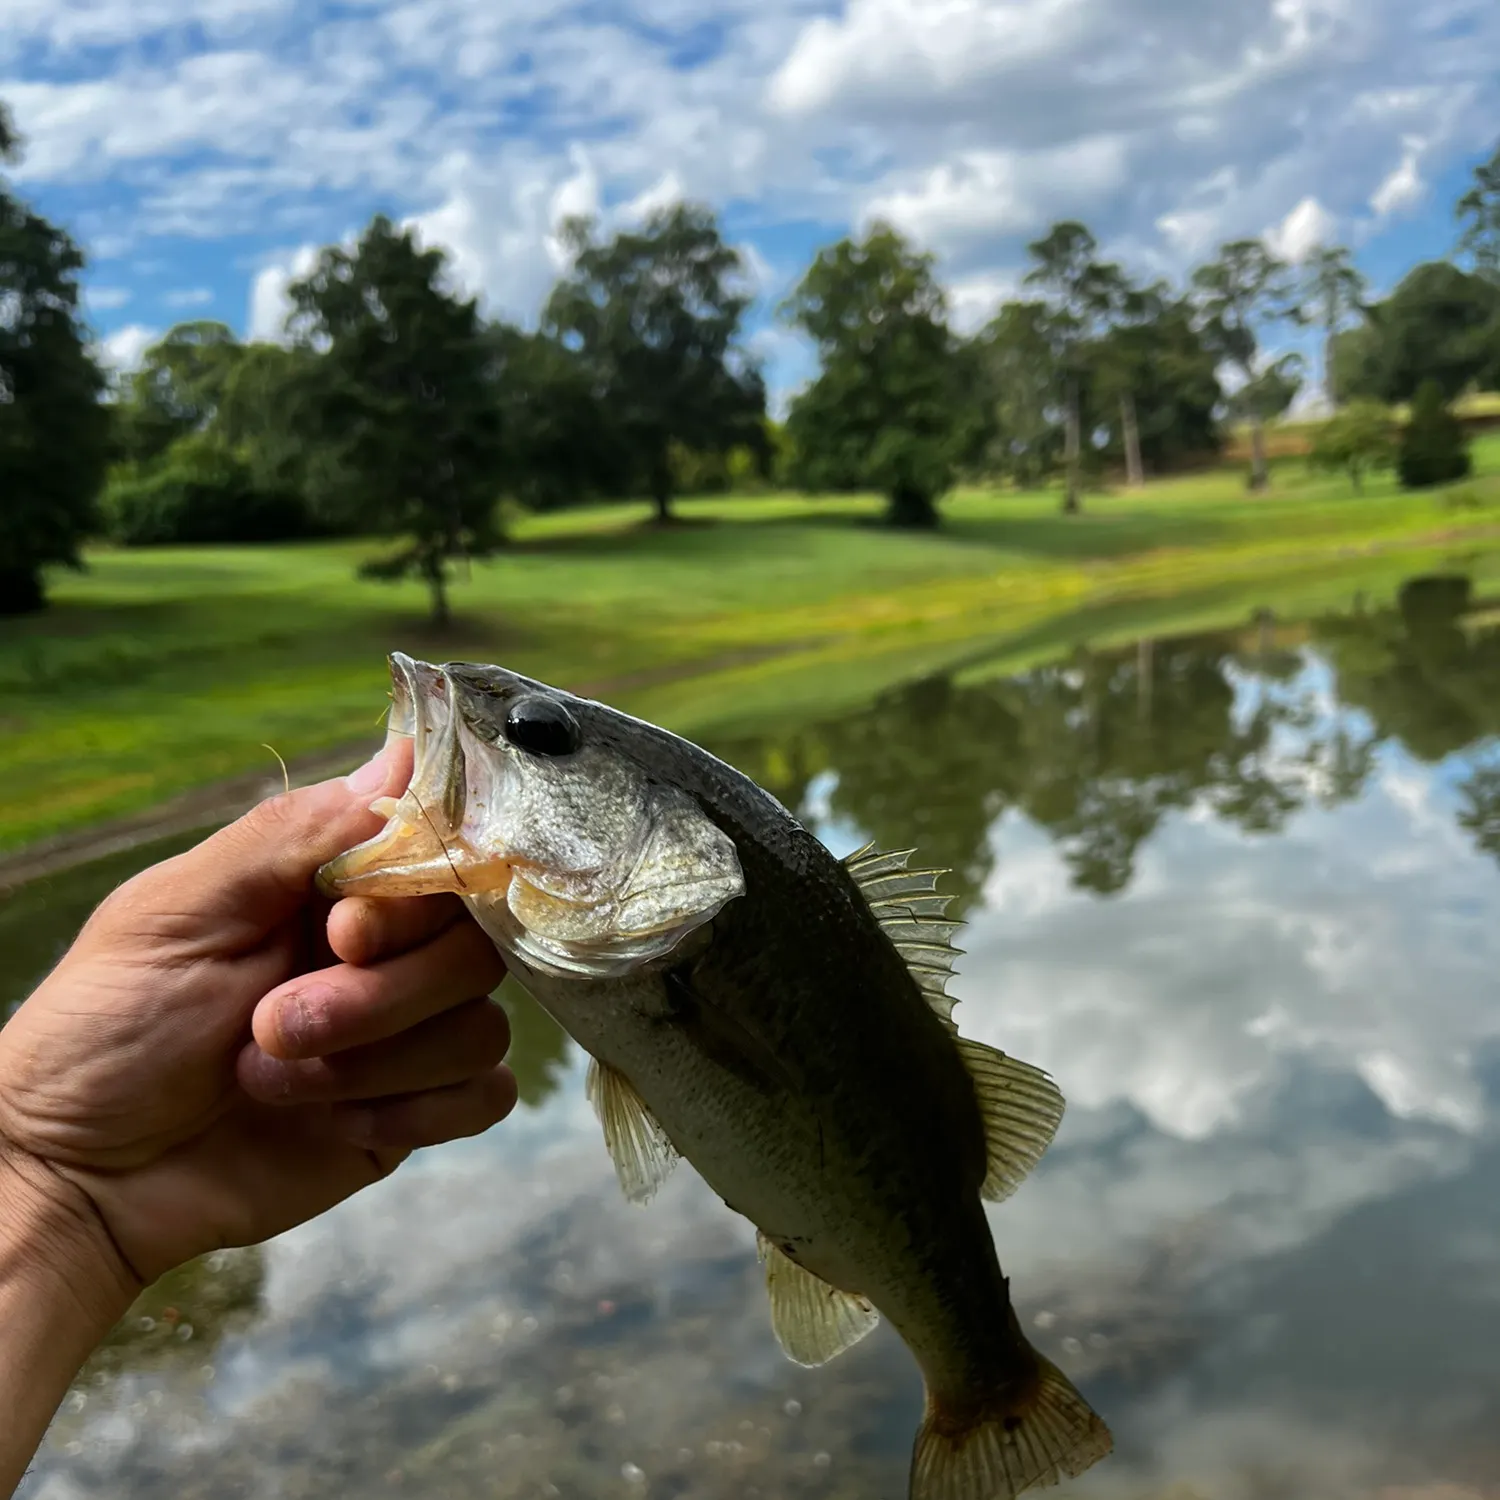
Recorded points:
201,151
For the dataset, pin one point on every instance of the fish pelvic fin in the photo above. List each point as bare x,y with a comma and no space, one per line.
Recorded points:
813,1321
1026,1437
638,1146
1022,1109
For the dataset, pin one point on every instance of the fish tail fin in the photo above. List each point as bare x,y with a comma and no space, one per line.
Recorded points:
1036,1433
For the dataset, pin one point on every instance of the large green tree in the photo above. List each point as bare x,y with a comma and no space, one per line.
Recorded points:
1084,294
177,389
656,315
559,446
1440,323
403,403
892,406
1480,209
1156,366
54,433
1237,293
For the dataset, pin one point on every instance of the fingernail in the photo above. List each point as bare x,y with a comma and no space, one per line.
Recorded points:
369,778
294,1022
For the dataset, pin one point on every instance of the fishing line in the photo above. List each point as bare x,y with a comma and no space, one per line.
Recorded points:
441,845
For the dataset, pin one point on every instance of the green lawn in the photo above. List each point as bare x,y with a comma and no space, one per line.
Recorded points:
161,670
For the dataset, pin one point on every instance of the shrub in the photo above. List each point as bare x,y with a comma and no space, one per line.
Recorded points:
1359,437
1434,449
197,491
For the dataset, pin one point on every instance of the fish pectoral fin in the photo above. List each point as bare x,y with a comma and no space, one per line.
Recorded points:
1039,1432
638,1146
1022,1109
813,1321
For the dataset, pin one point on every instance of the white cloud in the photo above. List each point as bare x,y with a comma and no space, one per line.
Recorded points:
107,297
194,296
1308,226
268,309
666,190
1401,189
121,350
980,196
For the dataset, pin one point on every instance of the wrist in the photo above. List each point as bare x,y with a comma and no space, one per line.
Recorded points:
54,1247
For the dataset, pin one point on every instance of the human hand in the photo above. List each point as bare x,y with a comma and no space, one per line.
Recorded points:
223,1053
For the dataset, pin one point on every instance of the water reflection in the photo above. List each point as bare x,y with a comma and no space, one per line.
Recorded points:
1234,891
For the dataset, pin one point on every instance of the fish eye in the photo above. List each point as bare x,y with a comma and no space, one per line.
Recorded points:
541,726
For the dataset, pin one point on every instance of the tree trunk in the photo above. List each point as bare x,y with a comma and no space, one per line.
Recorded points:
911,508
21,591
437,588
1330,381
1130,435
661,491
1070,449
1259,477
1358,481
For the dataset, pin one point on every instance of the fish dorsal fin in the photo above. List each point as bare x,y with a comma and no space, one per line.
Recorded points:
910,910
642,1154
813,1321
1022,1109
1021,1105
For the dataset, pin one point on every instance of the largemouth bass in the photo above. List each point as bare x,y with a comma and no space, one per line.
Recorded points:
772,1013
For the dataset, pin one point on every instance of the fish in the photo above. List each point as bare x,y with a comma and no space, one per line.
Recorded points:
773,1014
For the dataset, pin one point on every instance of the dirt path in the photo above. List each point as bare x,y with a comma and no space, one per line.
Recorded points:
218,802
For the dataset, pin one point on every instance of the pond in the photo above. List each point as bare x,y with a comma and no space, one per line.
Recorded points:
1237,892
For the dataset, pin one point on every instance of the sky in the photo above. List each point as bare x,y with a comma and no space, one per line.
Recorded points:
202,151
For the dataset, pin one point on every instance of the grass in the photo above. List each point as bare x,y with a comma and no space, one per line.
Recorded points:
158,671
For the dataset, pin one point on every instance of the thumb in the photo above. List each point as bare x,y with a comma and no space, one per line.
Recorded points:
260,868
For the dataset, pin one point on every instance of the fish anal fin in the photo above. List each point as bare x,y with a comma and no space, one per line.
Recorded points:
638,1146
1036,1433
1022,1109
813,1321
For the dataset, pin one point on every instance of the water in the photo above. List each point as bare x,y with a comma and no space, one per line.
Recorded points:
1237,892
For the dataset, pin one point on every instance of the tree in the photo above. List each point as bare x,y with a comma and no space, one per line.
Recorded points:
655,315
1332,290
559,447
1434,449
177,388
1121,362
1157,359
1359,437
1154,380
892,407
1245,287
1481,207
1269,392
1440,324
403,404
1017,361
1083,294
54,432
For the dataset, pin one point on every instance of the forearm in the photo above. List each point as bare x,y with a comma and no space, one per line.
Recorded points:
59,1296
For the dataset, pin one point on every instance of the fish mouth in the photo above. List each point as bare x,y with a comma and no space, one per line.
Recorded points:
422,849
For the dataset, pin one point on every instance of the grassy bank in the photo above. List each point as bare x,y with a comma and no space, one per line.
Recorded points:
162,670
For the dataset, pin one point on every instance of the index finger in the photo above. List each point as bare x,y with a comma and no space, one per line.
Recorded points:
363,929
